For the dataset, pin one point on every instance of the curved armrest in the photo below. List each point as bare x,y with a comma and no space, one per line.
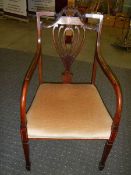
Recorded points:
26,84
33,64
115,83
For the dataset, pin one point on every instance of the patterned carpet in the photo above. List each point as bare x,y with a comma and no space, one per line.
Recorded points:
58,157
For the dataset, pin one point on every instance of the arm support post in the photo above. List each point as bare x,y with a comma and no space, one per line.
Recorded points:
109,74
26,85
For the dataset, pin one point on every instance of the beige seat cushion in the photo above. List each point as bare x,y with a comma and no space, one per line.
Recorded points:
68,111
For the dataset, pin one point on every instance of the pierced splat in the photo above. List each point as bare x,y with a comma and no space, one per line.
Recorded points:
68,40
68,35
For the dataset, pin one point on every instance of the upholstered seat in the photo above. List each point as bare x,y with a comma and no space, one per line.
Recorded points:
68,111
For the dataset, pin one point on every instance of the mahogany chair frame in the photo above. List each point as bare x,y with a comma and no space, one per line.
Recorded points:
67,78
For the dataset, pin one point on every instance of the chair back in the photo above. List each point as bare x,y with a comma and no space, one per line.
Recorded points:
69,31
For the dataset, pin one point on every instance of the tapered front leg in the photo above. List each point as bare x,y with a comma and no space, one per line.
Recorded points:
105,154
25,142
27,155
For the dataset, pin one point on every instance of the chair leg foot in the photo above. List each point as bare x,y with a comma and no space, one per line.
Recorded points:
101,166
27,157
105,154
25,140
28,167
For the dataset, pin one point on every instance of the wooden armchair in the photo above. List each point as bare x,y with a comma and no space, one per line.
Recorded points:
69,110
